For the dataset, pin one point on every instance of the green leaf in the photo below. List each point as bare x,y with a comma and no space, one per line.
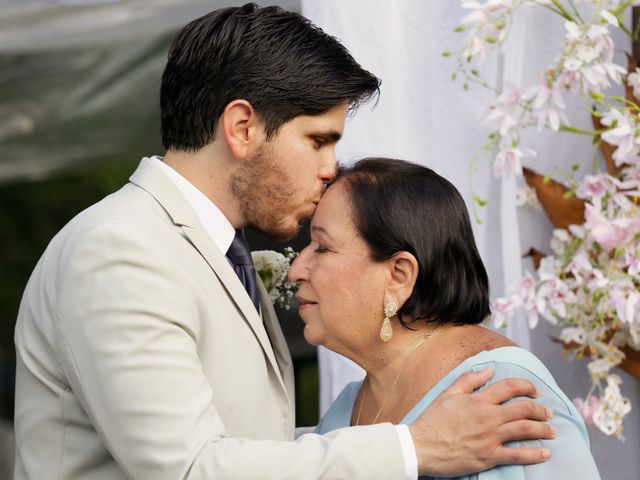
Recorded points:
267,278
619,98
459,29
575,166
480,201
446,54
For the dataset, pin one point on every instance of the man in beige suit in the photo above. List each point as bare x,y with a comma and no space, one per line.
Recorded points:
141,352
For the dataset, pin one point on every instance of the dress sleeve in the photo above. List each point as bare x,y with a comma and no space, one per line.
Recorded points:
570,454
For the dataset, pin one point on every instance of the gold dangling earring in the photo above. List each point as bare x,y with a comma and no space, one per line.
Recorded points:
386,332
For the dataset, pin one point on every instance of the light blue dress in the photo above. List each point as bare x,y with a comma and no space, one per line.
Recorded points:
570,455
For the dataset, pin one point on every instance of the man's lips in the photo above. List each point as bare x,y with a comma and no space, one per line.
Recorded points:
312,210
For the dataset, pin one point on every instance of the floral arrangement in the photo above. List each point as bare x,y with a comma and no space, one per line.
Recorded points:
273,268
590,284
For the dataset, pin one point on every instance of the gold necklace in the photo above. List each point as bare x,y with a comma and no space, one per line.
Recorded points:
426,337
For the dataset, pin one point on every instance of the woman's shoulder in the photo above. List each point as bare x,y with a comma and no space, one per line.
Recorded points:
515,362
570,453
480,338
510,361
471,340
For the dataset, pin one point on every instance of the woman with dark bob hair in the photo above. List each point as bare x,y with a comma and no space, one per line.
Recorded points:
392,279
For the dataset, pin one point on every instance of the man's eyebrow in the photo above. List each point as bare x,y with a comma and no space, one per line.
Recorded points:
334,136
331,135
321,231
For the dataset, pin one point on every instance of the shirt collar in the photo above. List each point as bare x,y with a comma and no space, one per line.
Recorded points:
213,220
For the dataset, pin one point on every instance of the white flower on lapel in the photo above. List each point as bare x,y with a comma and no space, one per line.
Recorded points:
273,268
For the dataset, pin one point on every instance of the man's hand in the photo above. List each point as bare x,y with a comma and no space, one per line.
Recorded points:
463,432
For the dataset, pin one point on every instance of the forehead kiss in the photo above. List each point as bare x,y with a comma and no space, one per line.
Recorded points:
332,220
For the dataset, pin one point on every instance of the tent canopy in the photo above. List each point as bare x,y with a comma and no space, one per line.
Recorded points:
80,79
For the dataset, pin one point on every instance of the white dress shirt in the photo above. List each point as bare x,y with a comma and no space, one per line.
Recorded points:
222,233
213,220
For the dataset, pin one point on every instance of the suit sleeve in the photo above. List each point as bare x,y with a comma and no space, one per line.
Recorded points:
127,344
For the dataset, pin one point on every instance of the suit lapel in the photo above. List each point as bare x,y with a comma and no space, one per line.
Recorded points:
278,342
156,183
233,285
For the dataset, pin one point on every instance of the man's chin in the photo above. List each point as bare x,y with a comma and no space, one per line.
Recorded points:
282,232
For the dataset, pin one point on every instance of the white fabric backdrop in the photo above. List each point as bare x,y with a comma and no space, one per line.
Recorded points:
423,116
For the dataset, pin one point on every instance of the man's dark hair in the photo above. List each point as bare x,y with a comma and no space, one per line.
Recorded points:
400,206
276,60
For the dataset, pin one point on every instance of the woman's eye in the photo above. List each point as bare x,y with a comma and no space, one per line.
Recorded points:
321,249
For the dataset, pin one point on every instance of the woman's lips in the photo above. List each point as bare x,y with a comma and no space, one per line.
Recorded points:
305,302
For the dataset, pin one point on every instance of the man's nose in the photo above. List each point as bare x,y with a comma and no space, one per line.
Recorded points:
329,168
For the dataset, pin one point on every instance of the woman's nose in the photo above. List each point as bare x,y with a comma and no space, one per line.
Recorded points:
298,272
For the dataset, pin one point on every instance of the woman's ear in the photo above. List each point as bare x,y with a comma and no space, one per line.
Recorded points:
403,269
241,128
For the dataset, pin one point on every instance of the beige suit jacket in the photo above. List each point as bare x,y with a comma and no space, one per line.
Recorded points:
140,355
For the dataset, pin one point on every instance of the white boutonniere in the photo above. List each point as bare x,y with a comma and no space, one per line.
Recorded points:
273,268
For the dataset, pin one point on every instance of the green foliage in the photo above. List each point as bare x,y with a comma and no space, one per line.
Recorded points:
307,393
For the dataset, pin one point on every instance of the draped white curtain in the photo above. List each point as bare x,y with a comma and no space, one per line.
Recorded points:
425,117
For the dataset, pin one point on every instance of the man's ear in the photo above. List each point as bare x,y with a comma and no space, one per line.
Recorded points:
241,127
403,269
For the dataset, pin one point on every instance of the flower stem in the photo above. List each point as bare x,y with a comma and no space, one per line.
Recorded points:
582,131
576,11
624,28
561,10
621,24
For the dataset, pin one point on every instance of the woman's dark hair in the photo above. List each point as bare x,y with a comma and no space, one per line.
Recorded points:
276,60
400,206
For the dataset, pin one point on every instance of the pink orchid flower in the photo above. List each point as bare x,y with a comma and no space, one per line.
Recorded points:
587,407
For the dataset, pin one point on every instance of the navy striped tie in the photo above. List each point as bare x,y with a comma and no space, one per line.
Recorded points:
240,257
